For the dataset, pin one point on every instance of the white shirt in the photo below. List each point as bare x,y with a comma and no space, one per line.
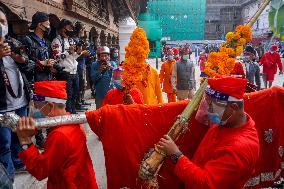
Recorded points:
16,81
70,63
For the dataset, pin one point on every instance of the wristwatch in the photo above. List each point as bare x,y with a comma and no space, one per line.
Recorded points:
175,157
26,146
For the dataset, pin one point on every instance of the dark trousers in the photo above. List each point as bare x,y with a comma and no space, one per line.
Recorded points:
88,74
81,85
10,147
72,92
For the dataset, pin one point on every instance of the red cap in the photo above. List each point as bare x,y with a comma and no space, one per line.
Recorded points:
52,91
175,51
274,47
228,86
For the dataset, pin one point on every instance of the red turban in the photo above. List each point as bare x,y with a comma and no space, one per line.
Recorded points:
51,91
227,88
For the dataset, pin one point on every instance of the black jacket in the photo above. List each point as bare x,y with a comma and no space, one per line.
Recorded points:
36,52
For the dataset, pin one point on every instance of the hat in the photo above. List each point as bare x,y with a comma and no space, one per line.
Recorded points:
184,50
103,50
274,47
226,88
64,22
50,91
38,17
175,51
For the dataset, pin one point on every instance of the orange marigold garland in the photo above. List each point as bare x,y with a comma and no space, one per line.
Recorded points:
134,66
223,62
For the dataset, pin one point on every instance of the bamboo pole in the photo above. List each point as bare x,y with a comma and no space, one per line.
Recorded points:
154,159
258,13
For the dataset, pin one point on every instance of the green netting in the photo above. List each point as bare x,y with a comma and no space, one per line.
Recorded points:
179,19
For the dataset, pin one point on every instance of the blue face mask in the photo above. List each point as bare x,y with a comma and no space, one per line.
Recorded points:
37,114
214,118
216,114
117,84
170,57
115,55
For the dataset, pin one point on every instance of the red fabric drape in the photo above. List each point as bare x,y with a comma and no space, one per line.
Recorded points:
127,132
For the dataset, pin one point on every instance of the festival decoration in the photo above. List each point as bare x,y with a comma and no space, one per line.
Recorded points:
223,62
135,68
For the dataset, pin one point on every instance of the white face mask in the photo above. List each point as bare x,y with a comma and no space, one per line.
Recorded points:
185,57
3,30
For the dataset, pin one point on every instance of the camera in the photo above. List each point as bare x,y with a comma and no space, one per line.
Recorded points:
58,67
16,46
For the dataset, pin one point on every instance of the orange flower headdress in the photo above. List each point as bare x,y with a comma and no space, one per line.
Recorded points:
135,68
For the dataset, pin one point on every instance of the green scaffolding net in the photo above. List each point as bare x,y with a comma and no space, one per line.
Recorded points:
179,19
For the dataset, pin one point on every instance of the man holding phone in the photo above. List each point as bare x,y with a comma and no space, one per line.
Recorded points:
101,74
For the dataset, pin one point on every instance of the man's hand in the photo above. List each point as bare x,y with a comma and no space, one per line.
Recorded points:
174,91
50,62
127,99
103,68
168,145
26,130
86,53
5,50
72,49
18,58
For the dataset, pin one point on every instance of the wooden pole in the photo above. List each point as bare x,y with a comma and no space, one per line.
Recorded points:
258,13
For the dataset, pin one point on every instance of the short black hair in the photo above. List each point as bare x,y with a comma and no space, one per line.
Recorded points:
78,26
2,10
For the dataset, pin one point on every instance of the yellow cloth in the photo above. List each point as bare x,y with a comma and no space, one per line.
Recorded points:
152,94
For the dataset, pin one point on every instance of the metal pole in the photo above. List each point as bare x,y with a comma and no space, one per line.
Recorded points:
157,62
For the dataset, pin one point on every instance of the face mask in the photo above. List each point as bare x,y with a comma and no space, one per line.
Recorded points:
69,33
46,30
185,57
202,112
36,113
115,55
3,30
170,57
272,52
176,56
216,115
117,84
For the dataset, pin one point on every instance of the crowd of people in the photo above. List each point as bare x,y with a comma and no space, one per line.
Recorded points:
45,78
32,58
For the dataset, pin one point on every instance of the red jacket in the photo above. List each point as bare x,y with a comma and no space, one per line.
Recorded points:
65,161
225,159
270,62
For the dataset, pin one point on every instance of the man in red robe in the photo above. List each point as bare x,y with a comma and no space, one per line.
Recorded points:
228,153
270,61
65,161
